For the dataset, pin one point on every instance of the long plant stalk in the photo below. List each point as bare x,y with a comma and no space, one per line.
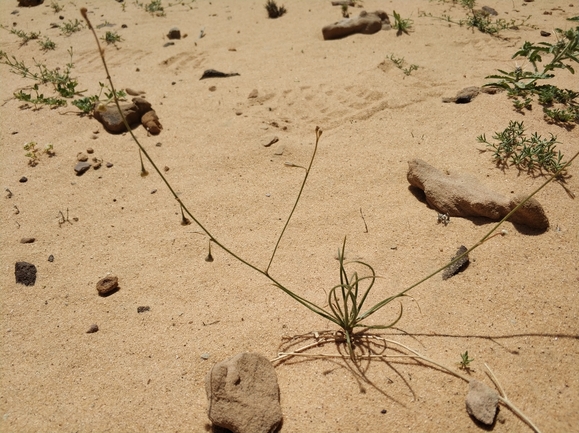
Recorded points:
345,311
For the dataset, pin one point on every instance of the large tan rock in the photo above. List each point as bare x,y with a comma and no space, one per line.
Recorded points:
243,394
464,196
366,23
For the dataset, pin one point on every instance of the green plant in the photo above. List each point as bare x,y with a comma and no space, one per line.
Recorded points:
33,153
154,7
530,154
522,83
465,361
401,25
273,10
111,37
60,78
87,104
400,64
47,44
25,36
56,7
71,27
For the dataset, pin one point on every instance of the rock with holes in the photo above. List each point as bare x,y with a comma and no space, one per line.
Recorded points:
482,402
243,395
464,196
366,23
25,273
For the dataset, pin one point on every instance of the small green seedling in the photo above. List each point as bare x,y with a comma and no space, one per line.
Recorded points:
465,361
400,64
402,25
71,27
47,44
534,154
33,153
25,37
56,7
111,37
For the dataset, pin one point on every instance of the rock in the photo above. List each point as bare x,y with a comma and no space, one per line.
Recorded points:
243,394
109,164
212,73
25,273
23,179
174,33
253,94
366,23
150,121
113,122
81,167
272,141
143,309
51,258
27,240
545,34
482,402
133,92
90,151
457,266
93,328
463,196
96,165
107,285
30,3
489,10
81,157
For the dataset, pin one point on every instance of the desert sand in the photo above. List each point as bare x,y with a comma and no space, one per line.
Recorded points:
515,308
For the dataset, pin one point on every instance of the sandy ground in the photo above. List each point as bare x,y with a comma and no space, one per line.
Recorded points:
515,308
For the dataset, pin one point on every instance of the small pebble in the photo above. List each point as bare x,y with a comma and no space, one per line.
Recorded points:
253,94
109,164
212,89
272,141
23,179
51,258
27,240
107,285
158,144
174,33
168,44
205,356
154,191
97,165
545,34
143,309
124,26
81,156
166,168
90,150
93,328
81,167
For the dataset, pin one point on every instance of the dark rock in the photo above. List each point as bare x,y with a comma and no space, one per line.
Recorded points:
174,33
545,34
143,309
81,167
107,285
366,23
51,258
29,3
464,196
113,122
109,164
457,266
482,402
212,73
90,151
243,394
93,328
27,240
23,179
25,273
168,44
489,10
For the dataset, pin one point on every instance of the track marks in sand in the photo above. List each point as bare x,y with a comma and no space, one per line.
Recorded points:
183,60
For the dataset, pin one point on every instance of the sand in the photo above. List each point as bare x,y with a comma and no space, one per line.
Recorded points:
515,308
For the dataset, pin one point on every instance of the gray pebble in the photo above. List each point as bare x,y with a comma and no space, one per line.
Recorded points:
81,168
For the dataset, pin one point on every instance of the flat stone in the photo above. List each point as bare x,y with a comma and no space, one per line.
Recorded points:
27,240
482,402
457,266
113,122
465,196
81,167
25,273
81,156
93,328
23,179
243,394
107,285
366,23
